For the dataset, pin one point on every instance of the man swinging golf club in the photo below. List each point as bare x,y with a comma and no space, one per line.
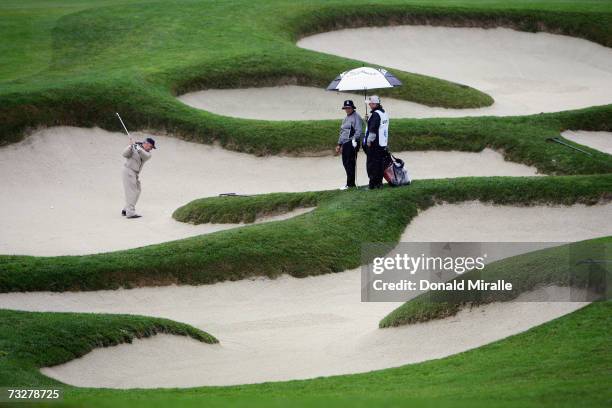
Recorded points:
136,154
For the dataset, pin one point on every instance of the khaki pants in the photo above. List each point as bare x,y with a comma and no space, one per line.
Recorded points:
131,186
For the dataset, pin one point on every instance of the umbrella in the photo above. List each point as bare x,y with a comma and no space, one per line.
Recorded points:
363,79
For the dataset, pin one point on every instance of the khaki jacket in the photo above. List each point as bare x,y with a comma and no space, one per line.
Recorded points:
136,157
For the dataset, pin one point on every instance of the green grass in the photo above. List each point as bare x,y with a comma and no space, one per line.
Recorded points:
302,246
563,363
77,62
30,340
552,266
236,209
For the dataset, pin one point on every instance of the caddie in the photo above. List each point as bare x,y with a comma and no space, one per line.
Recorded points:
377,141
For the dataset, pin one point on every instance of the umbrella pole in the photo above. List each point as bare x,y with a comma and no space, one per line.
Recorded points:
365,104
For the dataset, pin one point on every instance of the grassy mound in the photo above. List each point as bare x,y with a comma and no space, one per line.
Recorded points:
227,209
552,266
30,340
81,62
302,246
520,139
563,363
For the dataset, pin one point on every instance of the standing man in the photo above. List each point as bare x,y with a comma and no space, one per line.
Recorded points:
348,142
377,140
136,155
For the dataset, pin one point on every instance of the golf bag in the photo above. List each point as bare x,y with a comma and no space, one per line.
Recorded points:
395,171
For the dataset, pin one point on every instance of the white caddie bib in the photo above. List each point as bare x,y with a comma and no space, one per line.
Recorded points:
383,129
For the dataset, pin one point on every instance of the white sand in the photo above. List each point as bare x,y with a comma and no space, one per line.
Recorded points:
597,140
313,342
525,73
300,328
62,192
477,222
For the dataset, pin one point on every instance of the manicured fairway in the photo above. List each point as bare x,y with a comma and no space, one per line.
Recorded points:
83,63
77,62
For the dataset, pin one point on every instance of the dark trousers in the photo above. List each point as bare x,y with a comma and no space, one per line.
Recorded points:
375,165
365,150
349,160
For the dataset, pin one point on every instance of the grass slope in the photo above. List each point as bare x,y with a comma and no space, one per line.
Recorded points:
301,246
558,266
30,340
227,209
76,62
563,363
519,139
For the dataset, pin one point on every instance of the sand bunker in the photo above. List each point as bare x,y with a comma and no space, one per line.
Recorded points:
525,73
62,192
477,222
601,141
343,344
300,328
292,102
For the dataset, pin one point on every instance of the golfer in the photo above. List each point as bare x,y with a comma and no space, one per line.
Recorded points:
136,155
377,140
348,142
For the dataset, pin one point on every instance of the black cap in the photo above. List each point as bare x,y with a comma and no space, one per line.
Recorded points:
151,142
348,104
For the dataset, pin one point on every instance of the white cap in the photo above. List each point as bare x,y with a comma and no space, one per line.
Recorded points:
374,99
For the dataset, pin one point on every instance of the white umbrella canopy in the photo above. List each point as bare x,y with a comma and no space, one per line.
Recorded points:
362,79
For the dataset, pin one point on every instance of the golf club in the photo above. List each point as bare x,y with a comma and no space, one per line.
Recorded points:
123,124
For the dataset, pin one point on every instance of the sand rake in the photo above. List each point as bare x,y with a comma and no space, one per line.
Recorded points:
561,142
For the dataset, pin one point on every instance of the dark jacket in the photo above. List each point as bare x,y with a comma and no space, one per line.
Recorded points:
373,126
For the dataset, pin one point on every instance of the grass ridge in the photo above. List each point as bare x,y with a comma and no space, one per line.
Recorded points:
555,266
572,354
305,245
43,339
142,87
